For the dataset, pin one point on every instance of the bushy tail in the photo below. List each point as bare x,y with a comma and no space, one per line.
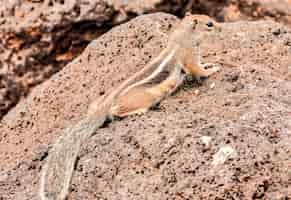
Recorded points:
58,170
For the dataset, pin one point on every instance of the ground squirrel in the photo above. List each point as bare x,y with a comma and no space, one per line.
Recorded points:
159,78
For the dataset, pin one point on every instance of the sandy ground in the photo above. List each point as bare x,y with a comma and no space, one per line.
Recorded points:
171,152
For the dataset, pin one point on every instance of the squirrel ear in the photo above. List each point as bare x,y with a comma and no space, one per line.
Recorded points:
188,13
194,23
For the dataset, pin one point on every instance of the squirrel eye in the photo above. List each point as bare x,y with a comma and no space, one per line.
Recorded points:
210,24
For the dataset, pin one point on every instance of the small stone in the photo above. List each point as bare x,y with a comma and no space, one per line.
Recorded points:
197,92
212,85
3,177
223,154
206,140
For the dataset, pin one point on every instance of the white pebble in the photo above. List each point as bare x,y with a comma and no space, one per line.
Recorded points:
197,92
212,85
223,154
206,140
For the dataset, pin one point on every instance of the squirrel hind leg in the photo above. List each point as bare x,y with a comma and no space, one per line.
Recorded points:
135,101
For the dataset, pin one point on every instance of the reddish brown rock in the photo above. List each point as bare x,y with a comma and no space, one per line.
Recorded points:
160,155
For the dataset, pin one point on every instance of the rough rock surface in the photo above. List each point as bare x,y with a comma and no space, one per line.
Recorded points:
39,37
161,155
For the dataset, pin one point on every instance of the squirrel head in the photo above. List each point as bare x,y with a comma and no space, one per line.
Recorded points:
200,23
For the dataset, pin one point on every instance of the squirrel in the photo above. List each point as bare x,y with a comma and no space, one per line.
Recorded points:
136,95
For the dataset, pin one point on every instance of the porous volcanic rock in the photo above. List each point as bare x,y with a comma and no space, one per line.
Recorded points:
161,155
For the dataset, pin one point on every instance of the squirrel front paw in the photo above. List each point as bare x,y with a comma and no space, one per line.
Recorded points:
211,68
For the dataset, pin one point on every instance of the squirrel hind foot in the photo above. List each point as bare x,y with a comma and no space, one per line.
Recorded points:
206,70
212,65
211,68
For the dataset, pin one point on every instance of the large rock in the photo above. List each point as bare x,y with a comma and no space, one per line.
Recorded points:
160,155
38,38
